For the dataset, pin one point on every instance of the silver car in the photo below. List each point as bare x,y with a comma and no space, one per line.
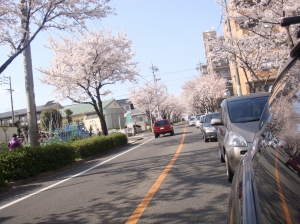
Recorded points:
239,120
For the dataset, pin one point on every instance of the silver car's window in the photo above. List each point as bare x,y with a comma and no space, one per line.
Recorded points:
246,110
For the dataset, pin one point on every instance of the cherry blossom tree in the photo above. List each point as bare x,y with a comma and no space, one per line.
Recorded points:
179,110
168,106
148,97
253,56
22,20
203,93
80,70
264,45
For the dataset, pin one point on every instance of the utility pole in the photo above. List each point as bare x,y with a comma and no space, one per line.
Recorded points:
236,71
29,85
3,81
198,67
155,69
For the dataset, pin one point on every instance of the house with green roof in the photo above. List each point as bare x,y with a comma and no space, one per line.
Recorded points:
86,114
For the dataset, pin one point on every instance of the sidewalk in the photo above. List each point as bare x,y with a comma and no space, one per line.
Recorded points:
138,136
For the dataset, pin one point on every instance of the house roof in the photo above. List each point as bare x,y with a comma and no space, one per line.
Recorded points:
125,101
24,111
83,108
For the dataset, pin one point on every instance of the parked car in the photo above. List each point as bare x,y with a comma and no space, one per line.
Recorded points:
209,130
162,127
197,122
239,120
294,162
264,189
192,121
273,143
201,121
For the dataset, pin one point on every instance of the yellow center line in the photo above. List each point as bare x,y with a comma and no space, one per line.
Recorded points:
280,192
146,200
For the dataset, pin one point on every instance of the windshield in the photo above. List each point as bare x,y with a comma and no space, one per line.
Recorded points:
247,110
209,117
191,119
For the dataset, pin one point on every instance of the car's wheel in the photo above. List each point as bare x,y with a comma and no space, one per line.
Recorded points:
221,157
228,170
156,135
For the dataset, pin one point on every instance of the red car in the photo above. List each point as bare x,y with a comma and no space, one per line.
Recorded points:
295,163
162,127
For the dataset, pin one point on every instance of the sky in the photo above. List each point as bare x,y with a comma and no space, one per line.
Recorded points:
164,33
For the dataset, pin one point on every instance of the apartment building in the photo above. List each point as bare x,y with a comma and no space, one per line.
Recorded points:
248,82
21,114
220,67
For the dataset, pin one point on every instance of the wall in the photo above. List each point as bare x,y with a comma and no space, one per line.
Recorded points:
9,132
112,117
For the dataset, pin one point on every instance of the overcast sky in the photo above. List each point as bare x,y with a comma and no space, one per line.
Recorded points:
167,33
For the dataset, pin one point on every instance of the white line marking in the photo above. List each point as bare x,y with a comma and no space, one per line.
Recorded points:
62,181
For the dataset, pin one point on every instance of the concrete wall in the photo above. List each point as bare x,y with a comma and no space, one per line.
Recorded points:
6,137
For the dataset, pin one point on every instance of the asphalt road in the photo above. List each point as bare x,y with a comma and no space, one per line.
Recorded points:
171,179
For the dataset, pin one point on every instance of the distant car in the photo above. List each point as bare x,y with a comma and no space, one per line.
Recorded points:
294,163
192,121
197,123
209,130
162,127
273,143
265,189
239,120
201,122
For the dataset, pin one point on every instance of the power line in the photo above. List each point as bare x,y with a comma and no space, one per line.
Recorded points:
176,72
221,21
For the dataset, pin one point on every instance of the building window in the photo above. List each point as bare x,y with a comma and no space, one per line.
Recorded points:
126,107
9,120
22,119
138,118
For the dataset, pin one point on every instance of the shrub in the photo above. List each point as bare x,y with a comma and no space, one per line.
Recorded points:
26,162
22,163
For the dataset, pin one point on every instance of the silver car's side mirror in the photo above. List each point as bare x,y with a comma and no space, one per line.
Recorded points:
217,121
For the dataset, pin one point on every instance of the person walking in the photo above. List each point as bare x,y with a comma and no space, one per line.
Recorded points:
14,142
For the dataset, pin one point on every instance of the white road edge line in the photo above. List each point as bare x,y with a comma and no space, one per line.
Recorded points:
62,181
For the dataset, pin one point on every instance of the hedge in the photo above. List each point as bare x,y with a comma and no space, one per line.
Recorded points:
26,162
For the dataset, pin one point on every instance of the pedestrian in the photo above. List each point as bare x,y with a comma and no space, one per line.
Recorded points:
14,142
